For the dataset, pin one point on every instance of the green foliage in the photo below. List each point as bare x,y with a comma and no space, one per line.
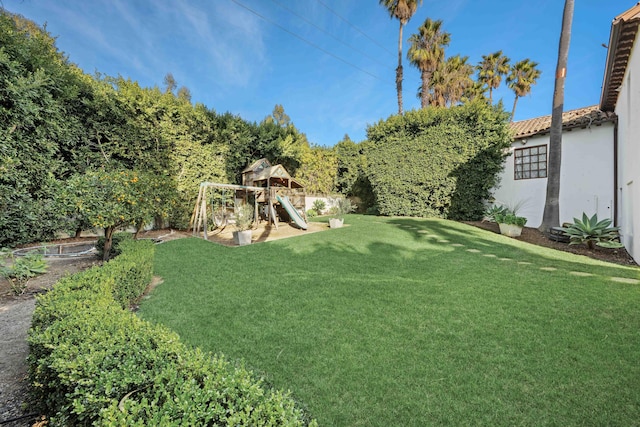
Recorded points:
341,206
493,211
57,123
593,232
312,213
18,270
39,91
243,217
510,218
317,171
438,161
505,215
319,206
92,362
113,199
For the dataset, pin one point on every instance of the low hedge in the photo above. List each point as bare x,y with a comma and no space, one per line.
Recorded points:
93,362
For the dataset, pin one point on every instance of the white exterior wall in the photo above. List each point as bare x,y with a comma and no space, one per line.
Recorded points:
328,201
628,111
586,177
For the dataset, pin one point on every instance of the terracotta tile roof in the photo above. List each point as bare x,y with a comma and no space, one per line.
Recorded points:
624,30
580,118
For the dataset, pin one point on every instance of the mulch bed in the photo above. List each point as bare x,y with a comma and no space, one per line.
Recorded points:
536,237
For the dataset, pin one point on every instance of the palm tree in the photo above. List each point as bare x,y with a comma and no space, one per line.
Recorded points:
491,69
449,82
475,91
427,51
458,78
522,76
551,214
402,10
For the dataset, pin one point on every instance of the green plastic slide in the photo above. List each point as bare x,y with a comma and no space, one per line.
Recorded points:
293,212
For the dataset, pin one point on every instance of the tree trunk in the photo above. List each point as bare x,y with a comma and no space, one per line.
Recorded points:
551,215
108,242
139,226
399,71
425,89
513,112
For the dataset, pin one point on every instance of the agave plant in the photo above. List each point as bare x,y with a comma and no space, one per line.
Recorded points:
493,211
593,232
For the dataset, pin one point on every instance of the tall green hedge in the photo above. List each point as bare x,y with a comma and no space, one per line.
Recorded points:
437,161
93,362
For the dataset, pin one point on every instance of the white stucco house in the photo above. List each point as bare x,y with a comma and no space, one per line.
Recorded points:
600,170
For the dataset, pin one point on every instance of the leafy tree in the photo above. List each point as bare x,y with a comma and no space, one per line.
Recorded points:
349,165
402,10
184,94
170,83
39,93
522,76
317,170
491,70
278,116
551,214
270,138
427,51
113,199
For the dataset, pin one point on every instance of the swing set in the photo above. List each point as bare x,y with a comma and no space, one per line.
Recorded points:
270,189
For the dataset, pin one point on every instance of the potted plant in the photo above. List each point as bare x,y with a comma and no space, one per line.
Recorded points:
341,207
510,224
243,224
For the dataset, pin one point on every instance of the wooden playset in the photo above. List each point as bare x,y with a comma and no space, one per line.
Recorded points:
271,190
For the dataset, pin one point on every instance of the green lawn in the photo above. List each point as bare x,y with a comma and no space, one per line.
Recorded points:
414,322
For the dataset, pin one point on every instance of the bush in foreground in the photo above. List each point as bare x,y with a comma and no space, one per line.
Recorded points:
93,362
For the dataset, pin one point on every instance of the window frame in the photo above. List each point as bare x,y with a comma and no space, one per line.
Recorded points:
537,162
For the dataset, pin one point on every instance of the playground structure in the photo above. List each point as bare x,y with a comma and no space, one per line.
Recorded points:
271,190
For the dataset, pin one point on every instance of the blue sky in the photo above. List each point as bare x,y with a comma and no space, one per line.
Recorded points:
330,63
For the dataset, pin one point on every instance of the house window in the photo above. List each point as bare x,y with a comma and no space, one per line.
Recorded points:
530,162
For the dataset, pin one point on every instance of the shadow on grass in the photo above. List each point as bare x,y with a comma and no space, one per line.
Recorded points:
358,320
502,246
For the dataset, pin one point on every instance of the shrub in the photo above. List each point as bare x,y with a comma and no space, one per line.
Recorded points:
311,213
341,207
243,217
319,206
593,232
18,270
437,161
92,362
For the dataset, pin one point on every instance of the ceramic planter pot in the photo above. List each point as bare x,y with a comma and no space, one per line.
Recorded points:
242,238
336,222
510,230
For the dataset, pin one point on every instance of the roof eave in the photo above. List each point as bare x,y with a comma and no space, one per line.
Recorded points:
624,29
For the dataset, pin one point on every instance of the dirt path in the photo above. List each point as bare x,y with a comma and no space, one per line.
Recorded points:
15,320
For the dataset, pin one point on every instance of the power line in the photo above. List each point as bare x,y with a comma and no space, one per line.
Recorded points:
354,27
329,34
305,40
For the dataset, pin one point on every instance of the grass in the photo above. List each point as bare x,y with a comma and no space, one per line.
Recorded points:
413,322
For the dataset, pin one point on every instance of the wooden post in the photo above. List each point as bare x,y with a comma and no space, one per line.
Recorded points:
203,214
194,215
